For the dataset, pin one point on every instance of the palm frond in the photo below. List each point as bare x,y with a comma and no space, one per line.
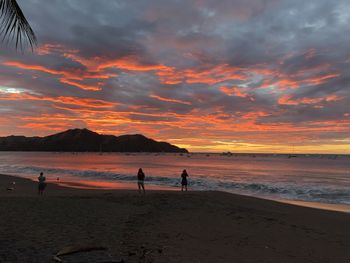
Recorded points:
14,26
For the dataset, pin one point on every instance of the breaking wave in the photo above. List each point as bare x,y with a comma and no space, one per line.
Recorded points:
290,191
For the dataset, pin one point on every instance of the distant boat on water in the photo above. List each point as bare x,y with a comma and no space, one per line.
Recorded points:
292,155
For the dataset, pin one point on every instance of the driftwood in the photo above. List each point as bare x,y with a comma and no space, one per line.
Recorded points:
11,188
75,249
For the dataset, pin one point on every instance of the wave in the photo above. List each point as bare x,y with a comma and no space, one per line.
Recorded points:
313,193
290,191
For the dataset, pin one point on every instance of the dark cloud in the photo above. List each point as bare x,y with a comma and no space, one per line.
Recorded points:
197,68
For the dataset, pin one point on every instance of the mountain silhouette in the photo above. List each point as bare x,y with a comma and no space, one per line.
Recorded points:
84,140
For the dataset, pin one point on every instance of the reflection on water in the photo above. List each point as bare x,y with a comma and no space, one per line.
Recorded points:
105,185
320,178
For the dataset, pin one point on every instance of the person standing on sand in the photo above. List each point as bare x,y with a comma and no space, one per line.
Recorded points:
141,180
41,184
184,176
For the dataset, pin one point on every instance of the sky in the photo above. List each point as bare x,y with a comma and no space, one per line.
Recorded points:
212,76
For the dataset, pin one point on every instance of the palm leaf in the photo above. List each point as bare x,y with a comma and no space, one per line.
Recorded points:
14,26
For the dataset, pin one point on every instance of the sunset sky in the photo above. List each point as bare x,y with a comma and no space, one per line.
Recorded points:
232,75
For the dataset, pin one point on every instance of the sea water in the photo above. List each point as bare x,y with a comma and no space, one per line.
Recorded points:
316,178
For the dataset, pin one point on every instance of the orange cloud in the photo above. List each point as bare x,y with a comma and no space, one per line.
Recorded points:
49,48
67,75
281,84
233,91
321,79
79,85
212,126
213,74
288,100
32,67
303,77
131,63
215,128
255,114
96,66
84,102
170,100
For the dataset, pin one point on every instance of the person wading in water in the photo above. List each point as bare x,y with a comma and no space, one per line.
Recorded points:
141,180
184,176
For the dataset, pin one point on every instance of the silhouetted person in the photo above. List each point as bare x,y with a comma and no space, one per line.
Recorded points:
184,176
141,180
41,184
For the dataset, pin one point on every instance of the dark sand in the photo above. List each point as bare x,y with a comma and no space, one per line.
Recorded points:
164,227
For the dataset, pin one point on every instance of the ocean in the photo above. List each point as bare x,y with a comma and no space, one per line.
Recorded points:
315,178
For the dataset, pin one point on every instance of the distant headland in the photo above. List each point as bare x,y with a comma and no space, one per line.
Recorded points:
84,140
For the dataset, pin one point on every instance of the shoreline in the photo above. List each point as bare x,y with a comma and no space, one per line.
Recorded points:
115,186
316,205
164,226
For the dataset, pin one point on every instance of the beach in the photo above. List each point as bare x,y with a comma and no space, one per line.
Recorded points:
163,226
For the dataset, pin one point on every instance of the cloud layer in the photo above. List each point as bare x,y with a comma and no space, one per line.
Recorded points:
242,75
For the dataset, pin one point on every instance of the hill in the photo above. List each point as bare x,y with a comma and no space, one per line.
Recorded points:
84,140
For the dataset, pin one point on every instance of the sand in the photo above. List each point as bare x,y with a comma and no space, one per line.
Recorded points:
164,226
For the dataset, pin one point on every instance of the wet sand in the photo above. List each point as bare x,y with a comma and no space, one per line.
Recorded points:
164,226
